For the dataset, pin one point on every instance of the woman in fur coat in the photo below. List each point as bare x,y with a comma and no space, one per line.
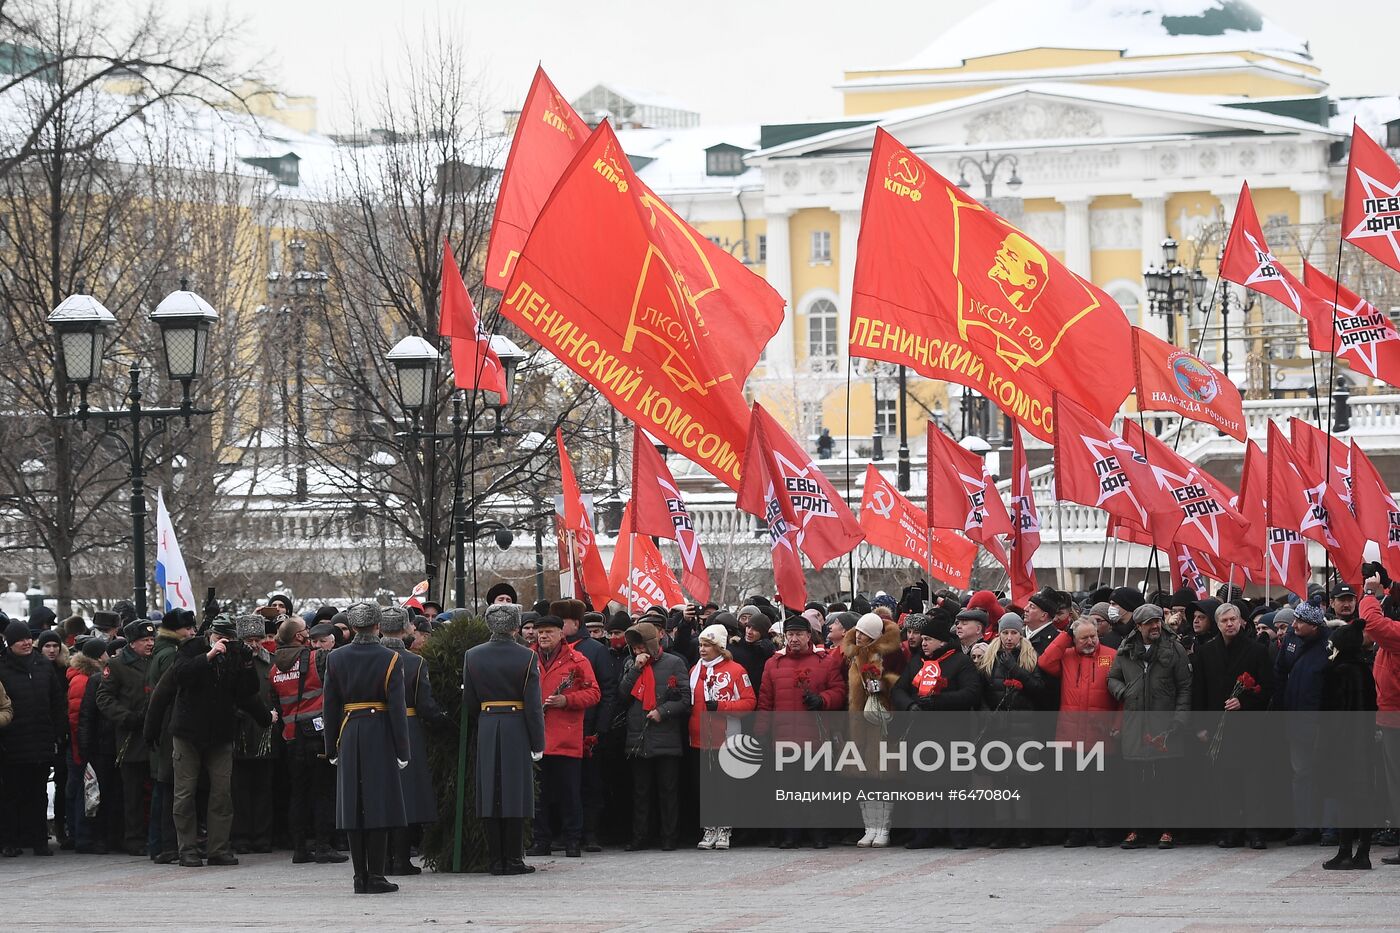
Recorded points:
874,661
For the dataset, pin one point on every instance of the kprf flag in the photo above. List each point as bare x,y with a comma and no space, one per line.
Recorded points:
826,529
659,510
1176,380
640,578
474,364
1364,336
172,579
728,298
588,563
761,494
892,523
1371,205
962,495
1025,525
947,287
1285,551
1248,261
1376,510
621,292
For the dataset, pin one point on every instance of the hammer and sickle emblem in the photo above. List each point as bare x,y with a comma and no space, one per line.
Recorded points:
882,503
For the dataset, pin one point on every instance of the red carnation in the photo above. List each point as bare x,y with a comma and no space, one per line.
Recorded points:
1012,683
871,671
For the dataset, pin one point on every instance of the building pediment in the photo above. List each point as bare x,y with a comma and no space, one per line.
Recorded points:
1054,115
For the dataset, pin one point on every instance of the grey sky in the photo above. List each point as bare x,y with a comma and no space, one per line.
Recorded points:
733,60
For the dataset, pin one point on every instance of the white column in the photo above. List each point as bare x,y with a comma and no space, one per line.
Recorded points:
780,349
1311,210
1154,231
1077,245
846,270
1228,201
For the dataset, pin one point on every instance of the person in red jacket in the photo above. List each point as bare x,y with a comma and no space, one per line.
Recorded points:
84,663
1081,664
568,687
720,692
797,679
1384,630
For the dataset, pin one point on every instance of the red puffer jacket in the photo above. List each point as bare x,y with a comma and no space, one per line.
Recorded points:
1386,632
727,683
570,675
787,678
1083,689
80,668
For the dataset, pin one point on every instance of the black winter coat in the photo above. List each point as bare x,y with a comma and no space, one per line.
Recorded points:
203,697
997,696
752,656
40,709
1218,666
598,718
959,686
1348,686
97,735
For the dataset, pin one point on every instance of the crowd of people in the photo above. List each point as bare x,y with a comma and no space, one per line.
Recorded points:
305,732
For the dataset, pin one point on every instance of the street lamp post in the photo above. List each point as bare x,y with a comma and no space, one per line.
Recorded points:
415,362
986,167
295,287
81,326
1170,287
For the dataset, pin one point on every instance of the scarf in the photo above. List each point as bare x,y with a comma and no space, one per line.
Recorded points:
709,669
644,690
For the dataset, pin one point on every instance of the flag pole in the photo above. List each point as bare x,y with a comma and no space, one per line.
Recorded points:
1060,534
1113,571
851,557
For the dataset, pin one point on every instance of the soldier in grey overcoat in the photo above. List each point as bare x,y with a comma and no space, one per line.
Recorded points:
367,739
419,800
501,697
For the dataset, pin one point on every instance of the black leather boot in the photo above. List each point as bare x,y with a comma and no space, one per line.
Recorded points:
376,849
357,859
513,847
492,829
400,854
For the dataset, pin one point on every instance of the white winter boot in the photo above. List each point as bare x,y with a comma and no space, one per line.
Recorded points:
867,816
884,812
722,837
708,840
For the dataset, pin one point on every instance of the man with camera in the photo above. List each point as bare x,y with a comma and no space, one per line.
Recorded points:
211,679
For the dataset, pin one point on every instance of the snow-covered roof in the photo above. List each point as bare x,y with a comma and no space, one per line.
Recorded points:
1373,113
645,98
1132,27
679,156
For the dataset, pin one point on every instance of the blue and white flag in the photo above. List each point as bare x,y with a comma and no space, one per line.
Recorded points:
172,578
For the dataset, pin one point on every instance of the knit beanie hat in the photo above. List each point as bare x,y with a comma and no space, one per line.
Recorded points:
870,625
503,618
94,646
1284,616
1306,612
716,635
1127,598
45,637
1099,609
1010,621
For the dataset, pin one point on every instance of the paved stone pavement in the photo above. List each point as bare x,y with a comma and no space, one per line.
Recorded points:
1190,888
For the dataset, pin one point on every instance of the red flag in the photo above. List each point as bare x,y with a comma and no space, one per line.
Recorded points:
1365,338
945,286
1172,379
588,563
640,578
722,294
474,364
1376,509
1095,467
1248,262
826,529
659,510
892,523
1025,525
1186,572
962,495
1288,566
1371,205
760,494
1207,520
548,134
1327,455
1298,499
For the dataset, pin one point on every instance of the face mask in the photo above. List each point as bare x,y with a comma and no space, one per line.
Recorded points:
617,641
1113,613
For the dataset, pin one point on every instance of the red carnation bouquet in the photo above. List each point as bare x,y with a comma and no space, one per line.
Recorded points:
1245,685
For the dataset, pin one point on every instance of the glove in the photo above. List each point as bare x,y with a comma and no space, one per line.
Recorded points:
812,701
402,764
334,760
536,756
712,705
